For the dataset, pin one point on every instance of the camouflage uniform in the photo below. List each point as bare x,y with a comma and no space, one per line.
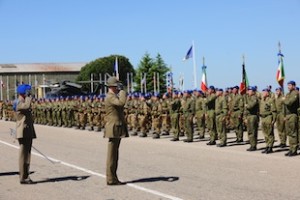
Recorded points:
251,115
291,103
267,112
165,114
156,117
280,118
189,113
175,106
200,114
221,109
211,115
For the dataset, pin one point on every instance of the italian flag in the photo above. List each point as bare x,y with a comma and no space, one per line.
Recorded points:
204,80
280,71
244,82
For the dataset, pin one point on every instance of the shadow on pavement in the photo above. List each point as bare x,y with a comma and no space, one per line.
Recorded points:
154,179
66,178
9,173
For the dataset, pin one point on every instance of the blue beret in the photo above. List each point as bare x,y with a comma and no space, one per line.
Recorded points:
212,87
279,88
253,88
266,90
292,82
236,87
23,88
220,90
297,88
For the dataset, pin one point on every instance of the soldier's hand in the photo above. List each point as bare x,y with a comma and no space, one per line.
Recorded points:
120,86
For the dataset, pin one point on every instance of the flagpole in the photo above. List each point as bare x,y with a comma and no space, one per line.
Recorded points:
194,62
279,61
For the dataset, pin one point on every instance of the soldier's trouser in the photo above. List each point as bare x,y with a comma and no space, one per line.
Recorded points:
221,128
200,123
97,122
24,157
252,128
292,131
211,125
64,118
70,118
82,119
280,128
181,123
112,160
49,118
166,122
156,124
90,117
268,130
134,122
175,125
58,118
237,123
143,123
189,128
54,120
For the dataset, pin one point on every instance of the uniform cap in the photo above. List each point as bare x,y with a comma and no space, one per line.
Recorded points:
23,88
112,82
279,88
212,87
291,82
253,88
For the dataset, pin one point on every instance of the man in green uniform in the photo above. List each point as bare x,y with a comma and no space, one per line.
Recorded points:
189,113
174,113
267,112
156,116
280,117
236,113
251,116
291,103
210,115
115,127
221,109
200,113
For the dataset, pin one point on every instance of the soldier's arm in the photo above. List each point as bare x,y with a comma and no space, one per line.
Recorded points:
23,106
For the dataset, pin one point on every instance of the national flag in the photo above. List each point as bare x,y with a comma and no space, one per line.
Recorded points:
169,82
117,68
244,82
204,79
189,54
280,71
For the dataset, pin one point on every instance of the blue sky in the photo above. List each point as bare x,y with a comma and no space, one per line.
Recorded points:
74,31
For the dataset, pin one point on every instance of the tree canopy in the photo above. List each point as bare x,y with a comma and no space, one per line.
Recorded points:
106,65
151,73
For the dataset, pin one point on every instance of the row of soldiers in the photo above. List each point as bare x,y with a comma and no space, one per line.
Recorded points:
81,112
217,112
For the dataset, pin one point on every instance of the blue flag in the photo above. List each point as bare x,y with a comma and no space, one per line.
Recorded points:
189,54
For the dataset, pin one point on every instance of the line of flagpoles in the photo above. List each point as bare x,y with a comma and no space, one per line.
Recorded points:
280,76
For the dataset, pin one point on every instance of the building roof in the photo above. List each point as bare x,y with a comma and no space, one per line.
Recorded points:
41,67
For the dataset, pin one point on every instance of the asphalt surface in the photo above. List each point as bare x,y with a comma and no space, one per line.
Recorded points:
153,169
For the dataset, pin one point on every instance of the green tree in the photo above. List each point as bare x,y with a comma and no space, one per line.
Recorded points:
106,65
147,68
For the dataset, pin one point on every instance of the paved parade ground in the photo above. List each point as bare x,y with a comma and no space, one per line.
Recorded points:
153,169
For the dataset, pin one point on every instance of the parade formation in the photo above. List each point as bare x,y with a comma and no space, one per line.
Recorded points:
193,113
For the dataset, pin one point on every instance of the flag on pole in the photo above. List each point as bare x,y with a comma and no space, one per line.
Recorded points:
169,82
244,82
117,68
189,54
204,79
280,71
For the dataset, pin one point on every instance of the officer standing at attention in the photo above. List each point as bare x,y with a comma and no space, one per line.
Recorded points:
211,115
267,112
291,103
221,109
25,131
251,116
189,113
115,127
